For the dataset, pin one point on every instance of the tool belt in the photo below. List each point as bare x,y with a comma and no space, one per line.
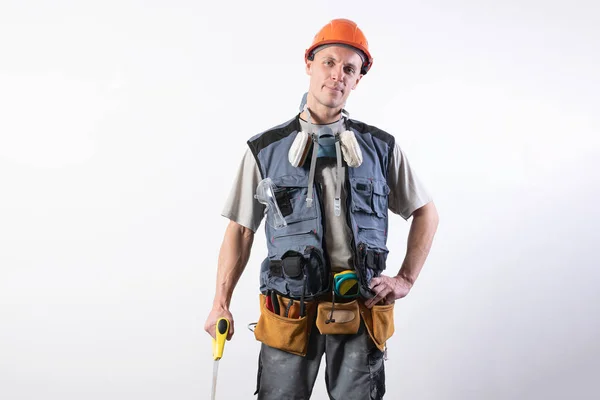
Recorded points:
282,326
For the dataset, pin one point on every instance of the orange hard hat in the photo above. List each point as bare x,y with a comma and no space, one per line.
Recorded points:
342,31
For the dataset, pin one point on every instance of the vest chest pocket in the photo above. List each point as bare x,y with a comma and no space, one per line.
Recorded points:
291,195
369,196
381,192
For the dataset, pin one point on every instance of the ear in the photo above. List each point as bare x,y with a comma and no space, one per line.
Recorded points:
308,67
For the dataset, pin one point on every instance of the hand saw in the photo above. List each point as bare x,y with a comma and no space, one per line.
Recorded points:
222,329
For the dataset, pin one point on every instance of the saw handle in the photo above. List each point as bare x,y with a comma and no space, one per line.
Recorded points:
222,330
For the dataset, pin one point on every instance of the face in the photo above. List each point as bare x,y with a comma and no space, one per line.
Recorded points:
334,72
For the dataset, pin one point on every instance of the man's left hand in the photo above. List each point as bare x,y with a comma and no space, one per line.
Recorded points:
388,289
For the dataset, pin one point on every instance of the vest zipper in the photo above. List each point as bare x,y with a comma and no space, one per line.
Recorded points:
293,234
319,188
349,222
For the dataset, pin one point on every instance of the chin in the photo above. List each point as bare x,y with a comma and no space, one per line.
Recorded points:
331,103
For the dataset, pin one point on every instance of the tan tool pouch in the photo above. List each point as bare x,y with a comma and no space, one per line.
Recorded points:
287,334
379,321
345,319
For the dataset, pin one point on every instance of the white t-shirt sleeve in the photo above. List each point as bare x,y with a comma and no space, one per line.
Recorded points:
241,206
407,192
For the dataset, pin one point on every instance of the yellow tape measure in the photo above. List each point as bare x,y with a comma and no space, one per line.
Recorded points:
345,284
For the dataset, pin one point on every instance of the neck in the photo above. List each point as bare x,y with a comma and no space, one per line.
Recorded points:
320,114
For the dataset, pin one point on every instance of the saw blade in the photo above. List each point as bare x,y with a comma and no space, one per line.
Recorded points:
214,380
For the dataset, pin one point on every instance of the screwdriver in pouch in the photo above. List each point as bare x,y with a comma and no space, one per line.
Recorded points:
268,302
222,330
275,301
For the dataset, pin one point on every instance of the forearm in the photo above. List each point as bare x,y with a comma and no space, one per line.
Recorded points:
420,237
233,257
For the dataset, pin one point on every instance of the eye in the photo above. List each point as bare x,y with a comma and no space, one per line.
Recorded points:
328,62
349,70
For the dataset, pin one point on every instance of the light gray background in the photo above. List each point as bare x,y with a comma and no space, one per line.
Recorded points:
121,126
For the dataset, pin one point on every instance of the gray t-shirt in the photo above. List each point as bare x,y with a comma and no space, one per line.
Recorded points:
407,194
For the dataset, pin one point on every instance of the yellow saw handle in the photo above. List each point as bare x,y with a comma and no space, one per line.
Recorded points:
222,329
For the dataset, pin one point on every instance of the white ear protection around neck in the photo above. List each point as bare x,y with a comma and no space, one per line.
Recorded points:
299,150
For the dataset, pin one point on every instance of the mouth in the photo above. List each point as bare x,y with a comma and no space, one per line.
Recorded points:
335,89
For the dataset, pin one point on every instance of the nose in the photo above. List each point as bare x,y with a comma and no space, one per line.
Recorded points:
337,74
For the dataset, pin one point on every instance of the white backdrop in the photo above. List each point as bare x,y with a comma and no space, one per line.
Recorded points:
122,124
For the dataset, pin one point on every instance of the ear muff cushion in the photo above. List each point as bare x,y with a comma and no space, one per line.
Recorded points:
299,150
350,149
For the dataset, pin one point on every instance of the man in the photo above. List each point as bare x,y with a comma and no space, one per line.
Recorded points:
327,183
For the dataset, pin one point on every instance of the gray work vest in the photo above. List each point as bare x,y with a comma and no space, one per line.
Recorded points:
297,261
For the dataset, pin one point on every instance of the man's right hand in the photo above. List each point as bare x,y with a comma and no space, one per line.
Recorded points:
213,317
233,256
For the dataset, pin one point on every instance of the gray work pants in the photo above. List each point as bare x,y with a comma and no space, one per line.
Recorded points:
354,369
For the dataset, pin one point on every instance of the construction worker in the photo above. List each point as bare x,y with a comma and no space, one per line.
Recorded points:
325,183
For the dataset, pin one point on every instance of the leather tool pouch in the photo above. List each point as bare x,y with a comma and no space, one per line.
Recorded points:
345,319
287,334
379,321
